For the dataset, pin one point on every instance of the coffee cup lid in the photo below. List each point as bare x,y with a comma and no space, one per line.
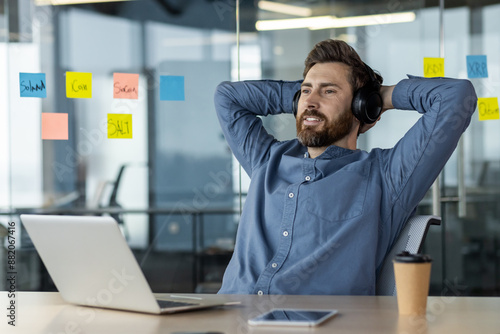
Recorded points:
407,257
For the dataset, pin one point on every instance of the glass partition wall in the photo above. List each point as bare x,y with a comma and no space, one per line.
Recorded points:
143,143
124,125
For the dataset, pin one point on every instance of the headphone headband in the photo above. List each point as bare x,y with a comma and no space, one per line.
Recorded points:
371,73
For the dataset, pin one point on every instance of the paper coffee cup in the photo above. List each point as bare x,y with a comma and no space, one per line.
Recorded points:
412,273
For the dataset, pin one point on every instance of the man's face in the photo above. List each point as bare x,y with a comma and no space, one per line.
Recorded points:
324,110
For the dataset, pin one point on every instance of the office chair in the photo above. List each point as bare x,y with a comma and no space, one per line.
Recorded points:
102,191
410,239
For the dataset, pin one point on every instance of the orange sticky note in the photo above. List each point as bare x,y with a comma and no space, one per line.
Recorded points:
119,126
433,67
78,85
488,108
125,86
54,126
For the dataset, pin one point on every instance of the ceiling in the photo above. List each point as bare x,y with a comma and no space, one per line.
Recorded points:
220,14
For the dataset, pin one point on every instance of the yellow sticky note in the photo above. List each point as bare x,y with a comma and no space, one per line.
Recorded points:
488,108
433,67
125,86
78,85
55,126
119,126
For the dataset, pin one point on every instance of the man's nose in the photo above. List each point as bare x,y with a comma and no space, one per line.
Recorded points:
312,100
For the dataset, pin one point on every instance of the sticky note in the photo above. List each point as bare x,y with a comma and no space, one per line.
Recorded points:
477,67
433,67
125,86
55,126
32,85
119,126
78,85
488,108
171,88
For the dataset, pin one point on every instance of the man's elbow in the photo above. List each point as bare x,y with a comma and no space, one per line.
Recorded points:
222,89
467,94
465,97
222,95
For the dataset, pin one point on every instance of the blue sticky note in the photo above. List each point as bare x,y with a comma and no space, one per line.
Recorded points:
171,88
32,85
476,67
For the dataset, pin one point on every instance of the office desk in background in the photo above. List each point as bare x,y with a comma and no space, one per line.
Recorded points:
46,312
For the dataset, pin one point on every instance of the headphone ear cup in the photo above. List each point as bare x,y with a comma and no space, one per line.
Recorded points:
295,103
357,104
374,106
367,104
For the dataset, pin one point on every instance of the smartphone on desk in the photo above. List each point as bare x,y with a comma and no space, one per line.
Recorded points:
292,317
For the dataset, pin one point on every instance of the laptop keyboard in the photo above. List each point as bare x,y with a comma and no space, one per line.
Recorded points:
169,303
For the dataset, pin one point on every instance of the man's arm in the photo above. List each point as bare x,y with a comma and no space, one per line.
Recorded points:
417,159
386,93
239,103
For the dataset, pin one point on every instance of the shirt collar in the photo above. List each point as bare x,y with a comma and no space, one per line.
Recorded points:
331,152
334,152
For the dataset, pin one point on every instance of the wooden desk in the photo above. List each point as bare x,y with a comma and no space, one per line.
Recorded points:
46,312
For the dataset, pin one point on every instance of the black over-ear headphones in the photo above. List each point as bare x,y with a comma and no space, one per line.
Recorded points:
366,102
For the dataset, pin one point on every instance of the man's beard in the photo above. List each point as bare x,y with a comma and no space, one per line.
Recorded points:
329,132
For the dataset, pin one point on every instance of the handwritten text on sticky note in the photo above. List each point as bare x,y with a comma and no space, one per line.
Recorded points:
55,126
433,67
78,85
119,126
171,88
32,85
125,86
477,67
488,108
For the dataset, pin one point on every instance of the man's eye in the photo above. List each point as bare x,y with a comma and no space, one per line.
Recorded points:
329,91
305,91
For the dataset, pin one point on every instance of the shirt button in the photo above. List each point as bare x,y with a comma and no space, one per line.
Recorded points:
290,195
285,234
274,265
260,293
308,178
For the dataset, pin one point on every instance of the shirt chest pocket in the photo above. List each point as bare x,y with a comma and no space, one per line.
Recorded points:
339,196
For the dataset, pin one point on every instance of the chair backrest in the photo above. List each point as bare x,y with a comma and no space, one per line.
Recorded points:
410,239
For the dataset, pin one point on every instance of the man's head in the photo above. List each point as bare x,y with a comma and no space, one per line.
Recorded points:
333,72
331,50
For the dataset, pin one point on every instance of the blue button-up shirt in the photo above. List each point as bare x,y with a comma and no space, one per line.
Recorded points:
324,225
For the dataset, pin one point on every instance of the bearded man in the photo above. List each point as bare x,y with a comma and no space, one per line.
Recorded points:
320,214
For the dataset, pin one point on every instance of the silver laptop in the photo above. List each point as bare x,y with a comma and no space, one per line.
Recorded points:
91,264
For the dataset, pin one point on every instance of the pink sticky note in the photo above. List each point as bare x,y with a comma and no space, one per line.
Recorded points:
54,126
125,86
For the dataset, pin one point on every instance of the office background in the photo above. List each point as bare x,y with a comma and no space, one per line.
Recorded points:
174,186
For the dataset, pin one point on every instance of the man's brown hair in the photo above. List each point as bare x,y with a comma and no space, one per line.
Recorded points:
333,50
